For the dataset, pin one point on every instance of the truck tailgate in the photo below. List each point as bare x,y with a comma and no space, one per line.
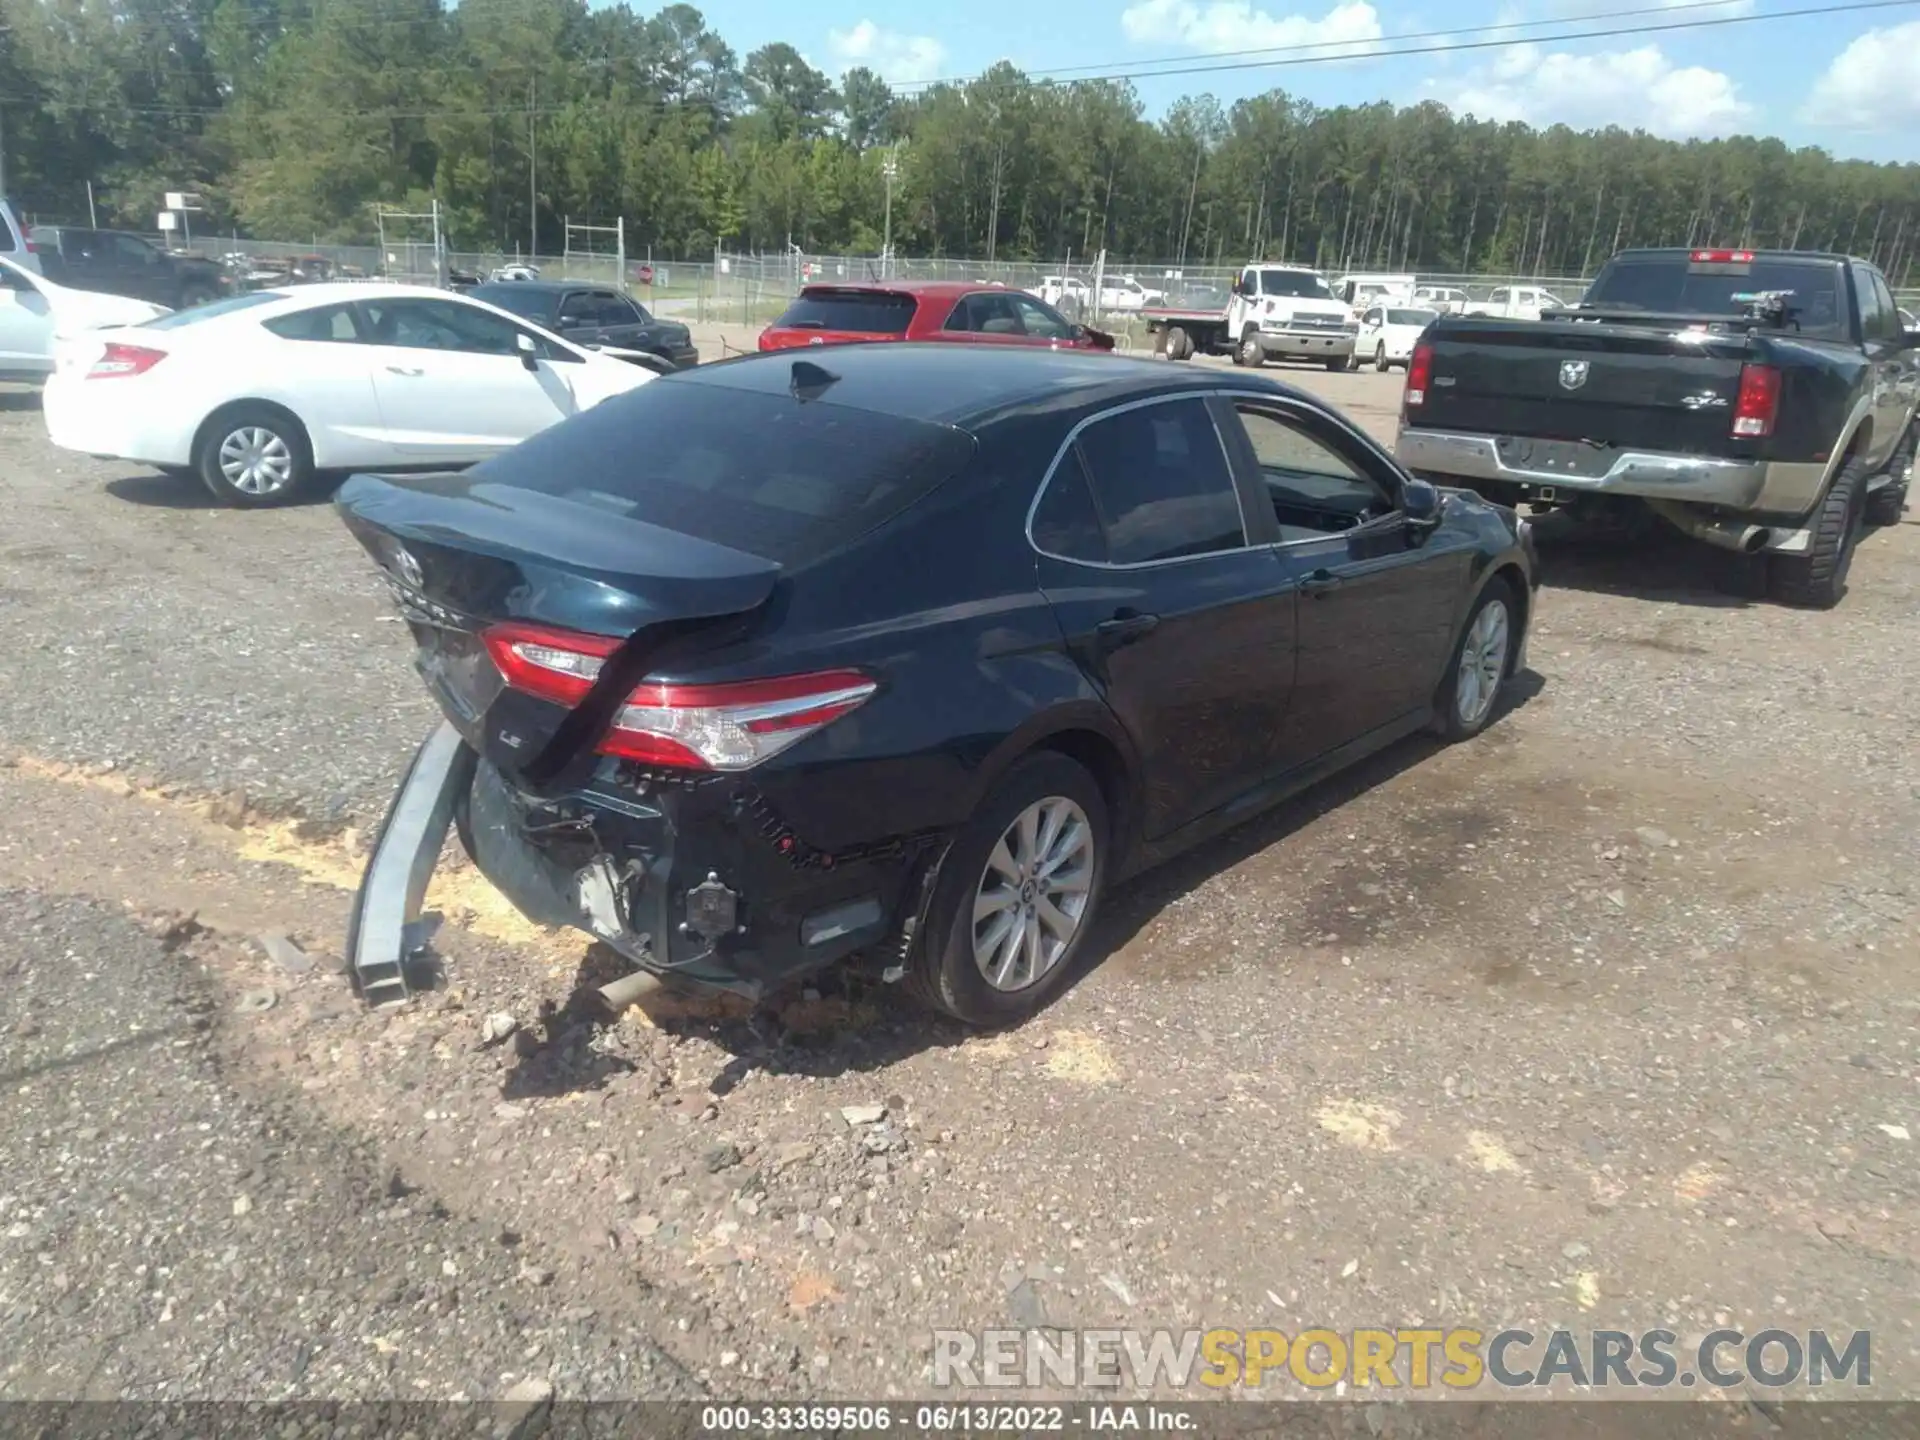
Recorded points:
1613,385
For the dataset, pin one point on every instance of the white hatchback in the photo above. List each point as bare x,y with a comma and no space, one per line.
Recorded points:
257,393
1387,334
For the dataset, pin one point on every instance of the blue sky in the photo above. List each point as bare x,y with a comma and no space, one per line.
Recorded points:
1849,82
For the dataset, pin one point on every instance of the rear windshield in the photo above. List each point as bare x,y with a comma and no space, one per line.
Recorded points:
213,309
1410,317
864,312
1664,284
529,304
773,476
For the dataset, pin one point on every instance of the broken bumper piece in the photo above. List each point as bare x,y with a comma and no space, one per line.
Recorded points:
380,930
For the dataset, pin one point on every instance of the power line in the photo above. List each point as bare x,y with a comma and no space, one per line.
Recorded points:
1345,52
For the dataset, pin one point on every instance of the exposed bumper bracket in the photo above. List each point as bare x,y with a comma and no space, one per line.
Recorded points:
404,856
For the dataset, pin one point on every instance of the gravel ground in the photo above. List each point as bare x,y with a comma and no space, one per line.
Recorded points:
1605,1019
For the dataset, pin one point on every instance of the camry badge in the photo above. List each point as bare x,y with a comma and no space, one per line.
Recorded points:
1573,374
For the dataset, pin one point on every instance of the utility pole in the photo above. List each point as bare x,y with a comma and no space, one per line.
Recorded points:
533,178
890,168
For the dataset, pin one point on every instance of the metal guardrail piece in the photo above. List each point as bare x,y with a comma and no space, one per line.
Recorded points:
404,856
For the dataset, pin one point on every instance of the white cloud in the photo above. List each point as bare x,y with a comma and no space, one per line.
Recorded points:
1221,25
1873,84
1637,89
1593,10
896,58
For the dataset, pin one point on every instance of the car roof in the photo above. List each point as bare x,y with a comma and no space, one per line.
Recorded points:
1759,251
926,289
544,287
970,387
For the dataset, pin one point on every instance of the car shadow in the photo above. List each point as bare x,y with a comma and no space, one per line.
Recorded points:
849,1021
19,401
1651,562
186,492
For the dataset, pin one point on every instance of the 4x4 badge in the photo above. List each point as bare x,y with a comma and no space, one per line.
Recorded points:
1573,374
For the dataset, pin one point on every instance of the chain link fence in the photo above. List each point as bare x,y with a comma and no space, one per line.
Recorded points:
752,289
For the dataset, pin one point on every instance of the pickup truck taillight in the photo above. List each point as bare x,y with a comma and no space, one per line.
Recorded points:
1419,375
1758,402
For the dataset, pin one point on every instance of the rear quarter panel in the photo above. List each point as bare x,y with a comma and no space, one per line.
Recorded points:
943,604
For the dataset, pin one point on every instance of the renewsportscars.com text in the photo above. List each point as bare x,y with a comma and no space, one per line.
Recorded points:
1399,1358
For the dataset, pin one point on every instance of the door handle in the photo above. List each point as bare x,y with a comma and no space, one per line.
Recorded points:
1320,582
1124,629
404,370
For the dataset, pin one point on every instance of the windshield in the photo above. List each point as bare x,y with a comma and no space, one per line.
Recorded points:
1665,284
1301,284
1410,317
522,300
213,309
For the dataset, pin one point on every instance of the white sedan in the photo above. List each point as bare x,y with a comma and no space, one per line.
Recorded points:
257,393
1387,334
34,312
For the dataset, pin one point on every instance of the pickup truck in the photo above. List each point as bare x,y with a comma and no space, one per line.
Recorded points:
1515,302
1274,311
1759,400
111,262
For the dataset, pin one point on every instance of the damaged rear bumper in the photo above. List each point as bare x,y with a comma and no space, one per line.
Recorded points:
701,882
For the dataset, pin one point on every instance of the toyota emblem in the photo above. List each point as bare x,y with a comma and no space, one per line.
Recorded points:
407,569
1573,374
816,340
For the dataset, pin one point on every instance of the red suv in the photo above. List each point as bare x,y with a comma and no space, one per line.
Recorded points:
926,310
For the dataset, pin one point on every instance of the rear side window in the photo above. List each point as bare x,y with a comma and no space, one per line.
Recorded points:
1665,284
784,479
329,322
1065,522
1161,482
863,312
215,308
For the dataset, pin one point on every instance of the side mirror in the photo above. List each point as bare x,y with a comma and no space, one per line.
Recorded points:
529,352
1420,503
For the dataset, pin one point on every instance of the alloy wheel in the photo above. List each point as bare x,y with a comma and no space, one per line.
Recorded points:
1483,663
1033,894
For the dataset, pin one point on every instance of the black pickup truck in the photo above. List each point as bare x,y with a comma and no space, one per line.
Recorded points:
114,263
1759,400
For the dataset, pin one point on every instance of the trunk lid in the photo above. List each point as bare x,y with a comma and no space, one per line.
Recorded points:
462,555
1606,384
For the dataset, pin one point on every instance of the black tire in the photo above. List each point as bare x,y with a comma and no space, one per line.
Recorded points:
194,295
1179,343
1344,362
1380,358
1452,719
1818,578
1888,504
270,421
1249,352
942,971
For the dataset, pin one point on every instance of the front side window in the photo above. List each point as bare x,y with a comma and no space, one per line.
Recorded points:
1040,320
1315,489
1161,483
441,325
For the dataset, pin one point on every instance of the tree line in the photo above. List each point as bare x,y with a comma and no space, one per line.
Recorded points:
295,118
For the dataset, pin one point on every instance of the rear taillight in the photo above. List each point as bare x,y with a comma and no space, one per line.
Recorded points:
1419,376
1758,403
32,249
556,665
730,726
118,361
